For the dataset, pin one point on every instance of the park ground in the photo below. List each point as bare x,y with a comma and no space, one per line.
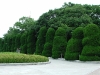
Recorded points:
54,67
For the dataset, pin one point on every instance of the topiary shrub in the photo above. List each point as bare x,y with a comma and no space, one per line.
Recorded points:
74,46
31,41
23,41
17,41
40,40
91,43
47,51
59,43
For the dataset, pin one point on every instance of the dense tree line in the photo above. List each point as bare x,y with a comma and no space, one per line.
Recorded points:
61,32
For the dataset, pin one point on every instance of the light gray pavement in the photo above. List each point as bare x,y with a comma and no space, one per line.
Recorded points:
96,72
56,67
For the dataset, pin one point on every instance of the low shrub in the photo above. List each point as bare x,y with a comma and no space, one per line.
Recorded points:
47,50
71,56
91,50
10,57
89,58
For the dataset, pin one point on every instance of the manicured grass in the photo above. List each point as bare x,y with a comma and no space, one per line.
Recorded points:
11,57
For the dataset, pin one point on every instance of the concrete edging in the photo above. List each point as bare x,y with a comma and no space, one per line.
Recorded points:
15,64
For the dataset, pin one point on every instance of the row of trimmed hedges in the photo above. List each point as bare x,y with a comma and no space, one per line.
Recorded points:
85,42
85,48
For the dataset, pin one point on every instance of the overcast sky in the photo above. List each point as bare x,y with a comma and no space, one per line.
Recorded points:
12,10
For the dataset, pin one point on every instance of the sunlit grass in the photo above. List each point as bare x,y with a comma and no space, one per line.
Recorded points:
11,57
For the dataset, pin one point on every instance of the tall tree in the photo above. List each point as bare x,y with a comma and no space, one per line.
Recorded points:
24,23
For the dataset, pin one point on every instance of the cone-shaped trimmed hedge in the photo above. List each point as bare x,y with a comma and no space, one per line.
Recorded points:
40,40
74,46
91,43
59,43
17,41
47,51
23,41
31,41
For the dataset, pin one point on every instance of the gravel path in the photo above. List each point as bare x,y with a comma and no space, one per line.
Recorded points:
56,67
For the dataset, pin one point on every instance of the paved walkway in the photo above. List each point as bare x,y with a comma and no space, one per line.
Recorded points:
96,72
56,67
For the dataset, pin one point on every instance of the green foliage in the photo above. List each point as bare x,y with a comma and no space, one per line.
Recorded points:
47,51
24,24
60,32
78,33
91,50
59,44
73,49
92,40
91,43
90,29
74,45
1,44
40,40
17,41
71,56
9,57
31,41
50,35
73,15
23,41
13,44
89,58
